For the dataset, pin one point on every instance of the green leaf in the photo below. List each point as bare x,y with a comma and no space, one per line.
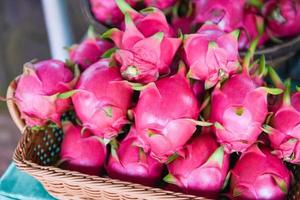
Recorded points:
275,77
250,53
107,34
262,66
273,91
255,3
66,95
201,123
170,179
142,155
267,129
205,103
109,52
148,10
108,111
158,36
91,32
172,158
287,92
83,131
212,45
235,33
281,184
124,6
216,157
218,126
226,180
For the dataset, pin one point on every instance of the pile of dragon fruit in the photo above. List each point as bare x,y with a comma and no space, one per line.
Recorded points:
272,20
179,111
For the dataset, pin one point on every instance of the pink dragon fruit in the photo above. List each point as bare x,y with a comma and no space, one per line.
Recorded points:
165,121
145,48
130,163
238,110
202,170
211,54
81,151
89,50
224,13
148,21
107,11
259,175
284,133
102,99
253,26
38,91
161,4
283,17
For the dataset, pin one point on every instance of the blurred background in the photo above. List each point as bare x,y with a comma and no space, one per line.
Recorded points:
23,37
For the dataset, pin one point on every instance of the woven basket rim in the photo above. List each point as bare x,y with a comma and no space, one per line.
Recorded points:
12,107
94,183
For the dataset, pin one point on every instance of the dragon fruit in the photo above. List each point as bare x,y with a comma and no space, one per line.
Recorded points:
161,4
224,13
89,50
202,170
102,99
148,21
211,54
80,151
144,53
238,110
130,163
283,17
284,133
164,120
107,11
38,91
259,175
253,26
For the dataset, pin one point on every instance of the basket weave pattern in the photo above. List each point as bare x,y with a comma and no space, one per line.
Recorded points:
38,151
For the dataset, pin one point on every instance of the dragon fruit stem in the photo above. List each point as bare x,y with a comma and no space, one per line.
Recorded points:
275,78
287,93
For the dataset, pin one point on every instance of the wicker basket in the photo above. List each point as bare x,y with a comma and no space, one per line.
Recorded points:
38,151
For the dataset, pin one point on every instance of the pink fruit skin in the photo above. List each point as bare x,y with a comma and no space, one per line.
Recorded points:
240,108
145,48
83,153
162,116
283,17
211,54
224,13
107,11
251,23
130,163
200,173
102,99
258,174
285,134
88,52
161,4
36,89
183,24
